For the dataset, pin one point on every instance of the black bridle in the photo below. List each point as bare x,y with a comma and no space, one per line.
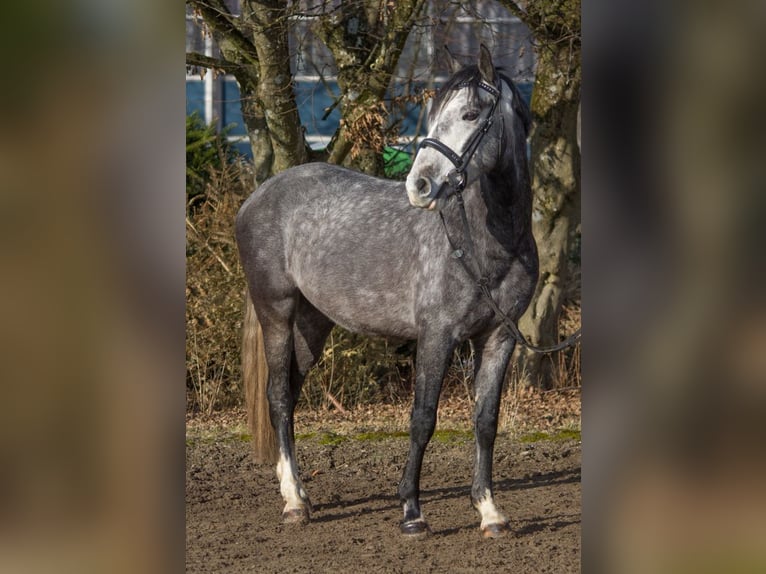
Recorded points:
456,179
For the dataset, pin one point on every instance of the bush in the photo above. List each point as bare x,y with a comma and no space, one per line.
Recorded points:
217,183
207,151
356,370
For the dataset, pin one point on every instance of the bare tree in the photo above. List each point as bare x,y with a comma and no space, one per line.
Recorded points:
366,38
555,25
254,49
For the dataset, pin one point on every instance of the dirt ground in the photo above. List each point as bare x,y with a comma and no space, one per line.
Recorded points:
233,506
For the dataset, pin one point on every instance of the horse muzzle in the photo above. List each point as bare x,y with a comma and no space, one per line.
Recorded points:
422,192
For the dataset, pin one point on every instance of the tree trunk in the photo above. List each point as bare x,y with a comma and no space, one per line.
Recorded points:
254,48
275,89
556,187
366,39
257,128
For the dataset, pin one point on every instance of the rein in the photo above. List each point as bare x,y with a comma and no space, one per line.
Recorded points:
456,179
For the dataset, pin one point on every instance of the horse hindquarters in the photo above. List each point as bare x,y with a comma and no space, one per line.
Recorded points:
286,344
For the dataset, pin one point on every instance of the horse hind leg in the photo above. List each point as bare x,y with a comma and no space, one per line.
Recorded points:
307,335
276,318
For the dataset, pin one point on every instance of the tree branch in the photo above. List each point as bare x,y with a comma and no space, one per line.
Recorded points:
219,19
203,61
515,9
550,22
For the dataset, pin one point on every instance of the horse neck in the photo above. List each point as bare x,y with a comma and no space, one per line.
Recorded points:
500,208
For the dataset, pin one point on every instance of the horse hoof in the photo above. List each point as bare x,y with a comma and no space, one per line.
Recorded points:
495,530
295,516
415,529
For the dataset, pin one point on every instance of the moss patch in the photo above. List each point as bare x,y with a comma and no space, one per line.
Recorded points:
380,435
453,436
331,438
560,435
449,436
442,436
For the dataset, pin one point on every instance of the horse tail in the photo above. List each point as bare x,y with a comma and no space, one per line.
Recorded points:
255,376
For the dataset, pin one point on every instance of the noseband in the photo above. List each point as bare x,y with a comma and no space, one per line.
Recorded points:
456,178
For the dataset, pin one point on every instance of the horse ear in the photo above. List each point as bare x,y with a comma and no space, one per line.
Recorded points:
486,67
452,62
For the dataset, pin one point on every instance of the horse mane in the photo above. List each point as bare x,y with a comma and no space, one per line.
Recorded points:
469,77
520,107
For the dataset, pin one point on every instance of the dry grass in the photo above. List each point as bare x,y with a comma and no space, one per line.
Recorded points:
214,293
356,370
524,410
568,373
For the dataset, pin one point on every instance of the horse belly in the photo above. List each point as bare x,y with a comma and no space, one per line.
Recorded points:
351,253
362,308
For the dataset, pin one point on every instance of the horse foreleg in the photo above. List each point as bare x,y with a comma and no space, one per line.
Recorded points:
432,361
491,361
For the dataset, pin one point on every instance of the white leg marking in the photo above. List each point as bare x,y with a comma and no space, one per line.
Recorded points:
489,512
290,485
420,518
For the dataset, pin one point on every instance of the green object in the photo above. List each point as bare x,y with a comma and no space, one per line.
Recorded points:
397,162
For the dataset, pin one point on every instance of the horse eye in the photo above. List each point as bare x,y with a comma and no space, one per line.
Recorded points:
470,116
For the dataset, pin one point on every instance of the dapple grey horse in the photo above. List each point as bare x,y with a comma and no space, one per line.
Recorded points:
323,245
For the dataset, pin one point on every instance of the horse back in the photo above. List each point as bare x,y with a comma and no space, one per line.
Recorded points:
347,241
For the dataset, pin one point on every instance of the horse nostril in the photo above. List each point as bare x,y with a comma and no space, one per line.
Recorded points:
419,190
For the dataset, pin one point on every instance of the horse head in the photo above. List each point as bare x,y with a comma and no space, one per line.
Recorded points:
466,137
